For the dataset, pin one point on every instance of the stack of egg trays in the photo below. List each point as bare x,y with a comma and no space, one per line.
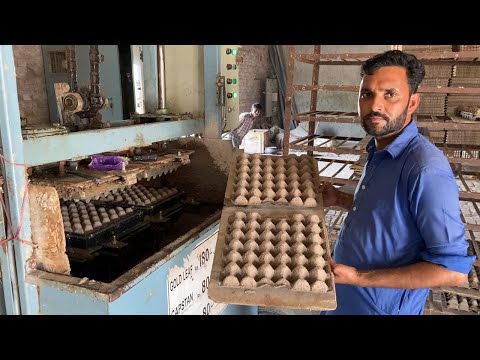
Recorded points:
261,292
441,301
146,209
105,232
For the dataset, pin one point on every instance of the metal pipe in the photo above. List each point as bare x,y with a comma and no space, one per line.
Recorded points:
162,94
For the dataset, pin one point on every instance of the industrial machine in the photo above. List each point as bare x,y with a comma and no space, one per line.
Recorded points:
84,102
126,237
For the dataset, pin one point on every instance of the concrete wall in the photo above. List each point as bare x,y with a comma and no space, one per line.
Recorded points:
205,178
184,79
331,75
31,84
254,68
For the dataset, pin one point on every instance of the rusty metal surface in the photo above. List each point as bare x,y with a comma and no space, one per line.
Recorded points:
29,132
423,120
360,57
84,143
112,291
335,150
161,117
85,183
352,88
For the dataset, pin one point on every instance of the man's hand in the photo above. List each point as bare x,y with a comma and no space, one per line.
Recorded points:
330,194
345,274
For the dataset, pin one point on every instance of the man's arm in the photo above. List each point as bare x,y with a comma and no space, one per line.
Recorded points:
414,276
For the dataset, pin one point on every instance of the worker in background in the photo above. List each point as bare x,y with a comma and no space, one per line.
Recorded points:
246,123
403,233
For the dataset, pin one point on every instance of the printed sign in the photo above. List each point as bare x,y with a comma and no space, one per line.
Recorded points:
187,286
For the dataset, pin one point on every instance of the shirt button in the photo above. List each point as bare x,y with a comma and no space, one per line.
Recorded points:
354,208
363,187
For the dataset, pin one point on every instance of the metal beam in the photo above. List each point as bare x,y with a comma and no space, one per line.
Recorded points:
150,76
213,113
55,148
16,253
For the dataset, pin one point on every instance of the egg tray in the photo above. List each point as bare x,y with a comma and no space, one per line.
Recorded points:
273,181
279,261
441,303
104,233
470,306
147,209
474,281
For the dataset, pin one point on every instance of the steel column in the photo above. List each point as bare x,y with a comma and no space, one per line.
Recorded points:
212,68
16,187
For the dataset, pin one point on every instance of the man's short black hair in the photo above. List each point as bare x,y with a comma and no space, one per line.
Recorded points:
415,68
257,106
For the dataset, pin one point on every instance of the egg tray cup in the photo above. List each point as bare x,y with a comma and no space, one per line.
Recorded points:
265,294
443,305
233,181
103,233
147,209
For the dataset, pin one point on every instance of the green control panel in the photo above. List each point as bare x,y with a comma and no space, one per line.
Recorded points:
230,69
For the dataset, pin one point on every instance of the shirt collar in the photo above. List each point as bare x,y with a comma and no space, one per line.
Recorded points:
396,147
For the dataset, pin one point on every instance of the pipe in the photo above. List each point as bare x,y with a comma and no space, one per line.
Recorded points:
162,95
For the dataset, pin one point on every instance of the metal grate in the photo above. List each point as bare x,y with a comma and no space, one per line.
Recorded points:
58,62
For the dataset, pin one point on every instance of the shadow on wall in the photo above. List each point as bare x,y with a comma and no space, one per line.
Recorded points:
205,178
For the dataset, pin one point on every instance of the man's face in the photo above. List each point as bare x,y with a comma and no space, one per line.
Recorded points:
383,102
255,112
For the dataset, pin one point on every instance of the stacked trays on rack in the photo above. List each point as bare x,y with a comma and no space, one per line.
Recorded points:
272,247
87,225
139,197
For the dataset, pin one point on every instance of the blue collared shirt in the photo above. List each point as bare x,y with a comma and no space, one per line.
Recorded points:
405,210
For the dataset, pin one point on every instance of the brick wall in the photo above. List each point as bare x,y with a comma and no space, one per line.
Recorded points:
254,68
32,91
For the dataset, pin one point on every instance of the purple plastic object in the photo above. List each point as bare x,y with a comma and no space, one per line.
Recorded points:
104,162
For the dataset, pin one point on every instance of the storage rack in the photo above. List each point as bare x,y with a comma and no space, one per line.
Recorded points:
464,157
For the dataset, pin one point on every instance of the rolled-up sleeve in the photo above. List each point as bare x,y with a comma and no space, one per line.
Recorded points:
434,203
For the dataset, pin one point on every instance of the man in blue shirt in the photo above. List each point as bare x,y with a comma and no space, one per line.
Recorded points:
403,233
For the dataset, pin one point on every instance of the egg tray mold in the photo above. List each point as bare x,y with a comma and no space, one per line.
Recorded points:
147,209
105,232
273,257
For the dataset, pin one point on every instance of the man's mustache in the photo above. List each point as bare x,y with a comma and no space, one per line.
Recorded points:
376,114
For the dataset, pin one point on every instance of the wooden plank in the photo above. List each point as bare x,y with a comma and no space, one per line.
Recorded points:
314,95
327,149
288,99
471,293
